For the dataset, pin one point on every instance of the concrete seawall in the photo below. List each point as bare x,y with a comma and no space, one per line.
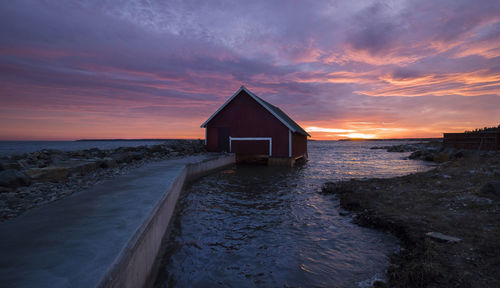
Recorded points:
106,236
134,266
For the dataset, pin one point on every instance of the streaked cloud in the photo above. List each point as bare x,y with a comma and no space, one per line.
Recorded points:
328,130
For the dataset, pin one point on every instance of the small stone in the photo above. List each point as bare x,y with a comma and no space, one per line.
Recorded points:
442,237
343,212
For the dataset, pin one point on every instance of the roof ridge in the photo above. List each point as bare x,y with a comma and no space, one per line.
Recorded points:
276,111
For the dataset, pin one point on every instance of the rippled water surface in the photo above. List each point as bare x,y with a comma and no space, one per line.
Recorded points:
259,226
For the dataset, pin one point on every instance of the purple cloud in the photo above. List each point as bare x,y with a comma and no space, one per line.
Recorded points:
319,61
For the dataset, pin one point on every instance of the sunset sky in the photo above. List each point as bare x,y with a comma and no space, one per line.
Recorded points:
159,69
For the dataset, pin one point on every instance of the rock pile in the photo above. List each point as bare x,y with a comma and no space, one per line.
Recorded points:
444,154
400,148
40,177
433,151
437,155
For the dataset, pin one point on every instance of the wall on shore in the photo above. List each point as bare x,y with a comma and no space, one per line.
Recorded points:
485,140
134,266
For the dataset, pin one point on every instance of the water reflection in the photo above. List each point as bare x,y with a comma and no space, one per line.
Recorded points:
264,226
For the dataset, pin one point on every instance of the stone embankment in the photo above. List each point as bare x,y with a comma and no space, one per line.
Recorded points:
448,220
34,179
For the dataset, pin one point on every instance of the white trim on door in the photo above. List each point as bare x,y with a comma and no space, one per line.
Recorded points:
290,143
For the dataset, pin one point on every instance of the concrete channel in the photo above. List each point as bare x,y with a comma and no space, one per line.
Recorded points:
106,236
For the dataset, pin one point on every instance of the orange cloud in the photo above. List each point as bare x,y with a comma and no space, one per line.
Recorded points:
329,130
361,130
473,83
349,54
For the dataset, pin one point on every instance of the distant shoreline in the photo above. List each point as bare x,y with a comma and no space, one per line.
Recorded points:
167,139
93,140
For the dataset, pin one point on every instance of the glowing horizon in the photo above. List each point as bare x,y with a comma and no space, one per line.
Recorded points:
392,69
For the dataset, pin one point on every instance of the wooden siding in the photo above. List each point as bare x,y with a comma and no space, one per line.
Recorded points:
247,118
299,144
473,141
260,147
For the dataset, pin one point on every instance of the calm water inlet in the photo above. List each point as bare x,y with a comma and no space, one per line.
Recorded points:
259,226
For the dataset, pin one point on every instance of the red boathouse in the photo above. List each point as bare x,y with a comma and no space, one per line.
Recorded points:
255,129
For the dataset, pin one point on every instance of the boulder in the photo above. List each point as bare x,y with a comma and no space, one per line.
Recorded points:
428,157
156,148
338,187
79,166
127,157
442,237
51,173
459,154
10,165
441,157
107,162
491,188
12,178
415,155
83,167
380,147
23,163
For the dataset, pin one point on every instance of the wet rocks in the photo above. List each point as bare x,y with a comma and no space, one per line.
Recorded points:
107,162
127,156
442,237
399,148
9,165
12,179
79,166
441,157
459,198
491,189
432,151
48,173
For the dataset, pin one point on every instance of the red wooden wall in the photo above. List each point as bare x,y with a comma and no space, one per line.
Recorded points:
251,147
485,140
247,118
299,144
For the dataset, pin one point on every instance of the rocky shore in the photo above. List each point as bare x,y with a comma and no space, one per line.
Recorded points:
448,220
33,179
431,151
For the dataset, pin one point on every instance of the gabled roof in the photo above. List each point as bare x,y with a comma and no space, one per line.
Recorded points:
280,115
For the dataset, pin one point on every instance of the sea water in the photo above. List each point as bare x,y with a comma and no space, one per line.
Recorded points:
259,226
